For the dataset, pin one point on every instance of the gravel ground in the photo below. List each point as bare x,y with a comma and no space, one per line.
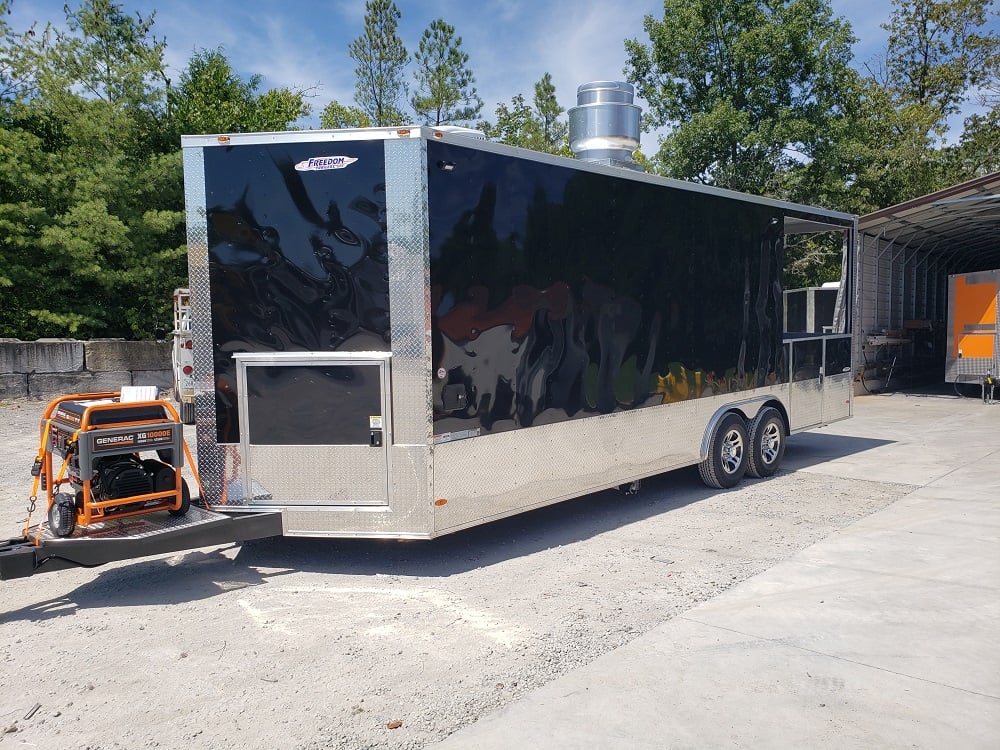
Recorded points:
309,643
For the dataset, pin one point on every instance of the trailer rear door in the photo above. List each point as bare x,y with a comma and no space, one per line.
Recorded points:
316,427
821,380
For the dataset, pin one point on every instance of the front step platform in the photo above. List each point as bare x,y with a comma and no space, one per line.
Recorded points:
135,527
128,538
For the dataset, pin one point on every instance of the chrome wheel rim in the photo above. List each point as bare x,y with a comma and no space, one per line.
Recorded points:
770,443
732,451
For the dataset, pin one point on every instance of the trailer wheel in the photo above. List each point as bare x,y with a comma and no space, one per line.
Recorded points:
767,443
186,412
62,515
726,462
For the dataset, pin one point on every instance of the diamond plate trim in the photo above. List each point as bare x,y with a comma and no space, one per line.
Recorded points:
137,527
409,289
294,472
410,519
211,458
838,393
806,404
409,310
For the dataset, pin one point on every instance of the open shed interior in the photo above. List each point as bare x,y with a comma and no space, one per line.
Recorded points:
906,254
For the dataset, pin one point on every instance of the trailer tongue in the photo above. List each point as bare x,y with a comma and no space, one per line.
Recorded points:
127,539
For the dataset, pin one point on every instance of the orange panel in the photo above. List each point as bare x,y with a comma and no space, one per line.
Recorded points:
974,305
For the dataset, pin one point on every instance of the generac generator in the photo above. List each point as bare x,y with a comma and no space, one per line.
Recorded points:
96,459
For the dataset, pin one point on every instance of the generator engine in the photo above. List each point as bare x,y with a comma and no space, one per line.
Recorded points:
95,443
117,477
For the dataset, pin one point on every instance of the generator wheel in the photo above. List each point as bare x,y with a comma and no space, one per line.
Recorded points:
62,515
186,412
726,462
185,500
163,480
767,443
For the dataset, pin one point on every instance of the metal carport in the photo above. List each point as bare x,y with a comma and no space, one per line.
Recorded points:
905,254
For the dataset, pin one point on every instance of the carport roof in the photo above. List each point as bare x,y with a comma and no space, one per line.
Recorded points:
961,223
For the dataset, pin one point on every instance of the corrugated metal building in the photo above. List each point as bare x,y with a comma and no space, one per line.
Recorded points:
906,253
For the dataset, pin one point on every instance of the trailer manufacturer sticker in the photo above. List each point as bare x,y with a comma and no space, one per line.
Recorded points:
320,163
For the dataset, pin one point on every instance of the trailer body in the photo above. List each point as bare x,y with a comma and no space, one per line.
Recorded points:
973,327
406,332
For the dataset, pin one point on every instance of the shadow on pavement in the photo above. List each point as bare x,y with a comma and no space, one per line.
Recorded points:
201,574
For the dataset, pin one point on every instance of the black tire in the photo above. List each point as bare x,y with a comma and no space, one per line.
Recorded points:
185,500
185,411
62,515
767,443
726,462
163,480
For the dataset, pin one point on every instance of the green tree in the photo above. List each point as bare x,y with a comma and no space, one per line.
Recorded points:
552,131
515,123
212,98
110,56
536,127
750,89
940,56
978,152
337,115
92,228
445,86
935,54
18,58
381,59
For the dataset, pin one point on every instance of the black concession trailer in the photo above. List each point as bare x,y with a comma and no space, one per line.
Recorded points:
404,332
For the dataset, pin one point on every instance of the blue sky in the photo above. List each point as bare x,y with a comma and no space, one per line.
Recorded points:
511,43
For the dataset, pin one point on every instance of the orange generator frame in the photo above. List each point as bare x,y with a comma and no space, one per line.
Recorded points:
90,461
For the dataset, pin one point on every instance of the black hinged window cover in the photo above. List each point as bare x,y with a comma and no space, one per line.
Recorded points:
312,404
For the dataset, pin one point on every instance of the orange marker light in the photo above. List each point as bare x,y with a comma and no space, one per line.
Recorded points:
441,501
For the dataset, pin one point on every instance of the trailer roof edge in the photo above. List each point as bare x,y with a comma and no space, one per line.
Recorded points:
431,133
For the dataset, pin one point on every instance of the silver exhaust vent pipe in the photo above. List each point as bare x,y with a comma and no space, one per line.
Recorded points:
604,124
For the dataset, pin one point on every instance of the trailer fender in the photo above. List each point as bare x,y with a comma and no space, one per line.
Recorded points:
747,409
726,460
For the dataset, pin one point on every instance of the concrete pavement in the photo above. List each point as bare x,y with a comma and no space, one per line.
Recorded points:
884,635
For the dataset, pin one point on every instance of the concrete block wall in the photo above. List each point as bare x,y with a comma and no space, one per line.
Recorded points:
50,367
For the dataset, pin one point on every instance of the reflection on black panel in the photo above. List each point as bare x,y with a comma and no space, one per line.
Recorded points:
838,356
298,259
312,404
558,293
807,359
